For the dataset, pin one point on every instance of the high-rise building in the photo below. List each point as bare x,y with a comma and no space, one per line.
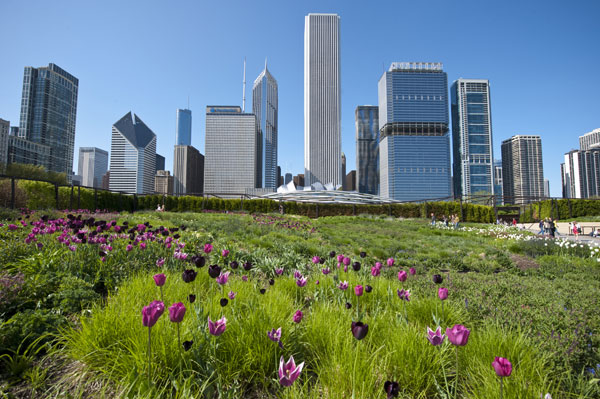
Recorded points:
183,135
163,182
230,145
522,169
344,171
25,151
498,181
414,146
48,113
4,133
106,180
132,156
322,100
264,106
14,130
367,149
590,140
472,138
188,170
580,174
93,164
350,181
546,188
160,162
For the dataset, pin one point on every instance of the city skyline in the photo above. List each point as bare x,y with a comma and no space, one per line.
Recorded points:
527,59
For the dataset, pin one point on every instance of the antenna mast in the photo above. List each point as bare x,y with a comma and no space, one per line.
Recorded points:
244,88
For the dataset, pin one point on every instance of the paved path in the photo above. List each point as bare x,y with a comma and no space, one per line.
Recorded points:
563,230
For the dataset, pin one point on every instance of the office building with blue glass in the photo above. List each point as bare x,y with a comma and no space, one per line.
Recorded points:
184,127
264,106
414,146
472,139
367,149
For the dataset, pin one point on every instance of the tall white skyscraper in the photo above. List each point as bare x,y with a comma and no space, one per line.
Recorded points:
322,100
264,106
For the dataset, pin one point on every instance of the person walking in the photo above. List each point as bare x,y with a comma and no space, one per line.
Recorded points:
541,224
432,219
552,228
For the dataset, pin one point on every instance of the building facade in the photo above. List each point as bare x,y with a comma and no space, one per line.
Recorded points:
4,133
132,156
183,134
188,171
163,182
264,107
522,169
93,164
472,138
230,145
498,181
350,181
367,149
590,140
25,151
580,174
160,162
48,113
322,100
414,145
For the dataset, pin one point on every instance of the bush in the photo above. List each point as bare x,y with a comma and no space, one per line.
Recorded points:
25,327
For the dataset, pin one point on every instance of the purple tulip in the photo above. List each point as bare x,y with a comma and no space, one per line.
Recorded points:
142,246
224,253
232,295
218,327
208,248
316,259
223,302
129,248
340,258
437,278
346,261
233,264
362,254
301,282
244,278
176,312
223,278
152,312
332,254
326,271
159,279
188,275
298,316
391,389
289,372
390,262
435,337
502,367
375,271
160,262
359,329
279,271
297,274
458,335
358,290
274,335
443,293
368,288
247,266
412,271
343,285
404,295
402,275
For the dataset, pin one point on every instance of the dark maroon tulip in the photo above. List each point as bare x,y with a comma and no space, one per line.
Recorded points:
356,266
176,236
363,254
233,264
391,389
359,329
187,345
271,282
192,298
348,305
188,275
102,253
437,279
224,302
262,290
247,266
199,260
368,288
214,271
332,254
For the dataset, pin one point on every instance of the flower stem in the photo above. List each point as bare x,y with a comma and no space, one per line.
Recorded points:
357,308
179,339
442,310
501,381
456,389
149,353
161,295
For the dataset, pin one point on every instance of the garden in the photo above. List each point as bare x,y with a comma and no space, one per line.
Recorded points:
259,305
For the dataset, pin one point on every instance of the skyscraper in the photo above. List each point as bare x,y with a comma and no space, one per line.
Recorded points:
472,138
183,135
414,146
93,164
48,112
160,162
230,146
367,149
188,170
4,133
322,100
163,182
590,140
264,106
344,171
522,169
498,181
132,156
580,174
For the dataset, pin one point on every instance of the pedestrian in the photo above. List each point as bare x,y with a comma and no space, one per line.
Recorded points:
577,229
432,219
541,227
445,220
552,228
514,222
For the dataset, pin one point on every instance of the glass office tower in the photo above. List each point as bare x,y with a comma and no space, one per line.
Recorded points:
472,138
184,127
264,106
48,112
367,149
414,146
93,164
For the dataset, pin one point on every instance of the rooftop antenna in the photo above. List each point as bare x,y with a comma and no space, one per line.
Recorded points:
244,89
188,102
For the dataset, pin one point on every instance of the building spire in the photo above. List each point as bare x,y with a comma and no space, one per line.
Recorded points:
244,88
265,63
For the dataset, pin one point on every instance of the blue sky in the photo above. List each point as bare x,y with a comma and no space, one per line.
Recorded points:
542,59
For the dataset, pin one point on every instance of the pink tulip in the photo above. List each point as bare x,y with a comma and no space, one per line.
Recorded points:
232,295
443,293
279,271
152,312
223,278
225,252
208,248
160,262
390,262
358,290
404,295
343,285
274,335
402,275
159,279
412,271
458,335
289,372
176,312
346,261
435,337
316,259
128,248
298,316
142,245
340,258
218,327
301,282
502,367
375,271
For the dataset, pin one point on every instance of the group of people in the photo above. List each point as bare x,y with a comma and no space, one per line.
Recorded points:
160,208
547,226
454,219
575,228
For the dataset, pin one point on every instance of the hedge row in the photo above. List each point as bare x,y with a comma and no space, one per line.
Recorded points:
40,195
564,209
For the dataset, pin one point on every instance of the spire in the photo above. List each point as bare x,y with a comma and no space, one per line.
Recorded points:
265,63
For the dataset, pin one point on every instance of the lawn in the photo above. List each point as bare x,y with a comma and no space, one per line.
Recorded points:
73,290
